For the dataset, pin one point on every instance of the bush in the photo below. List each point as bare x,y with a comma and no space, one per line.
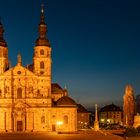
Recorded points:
131,131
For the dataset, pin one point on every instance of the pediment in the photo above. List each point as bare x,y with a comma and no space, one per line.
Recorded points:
18,70
21,105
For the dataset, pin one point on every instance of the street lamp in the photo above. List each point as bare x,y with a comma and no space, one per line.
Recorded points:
59,123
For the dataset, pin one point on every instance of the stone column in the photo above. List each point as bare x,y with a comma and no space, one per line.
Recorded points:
96,122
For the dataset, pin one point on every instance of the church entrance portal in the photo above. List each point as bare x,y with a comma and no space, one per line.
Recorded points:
53,127
19,126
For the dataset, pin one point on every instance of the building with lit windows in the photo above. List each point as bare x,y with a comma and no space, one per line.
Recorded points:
29,101
110,114
83,117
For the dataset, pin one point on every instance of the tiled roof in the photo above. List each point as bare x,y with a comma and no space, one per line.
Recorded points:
30,67
56,88
110,108
81,109
65,101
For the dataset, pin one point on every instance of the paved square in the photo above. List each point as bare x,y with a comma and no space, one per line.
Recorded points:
44,136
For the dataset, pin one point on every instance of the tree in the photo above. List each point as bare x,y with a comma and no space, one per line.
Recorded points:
128,106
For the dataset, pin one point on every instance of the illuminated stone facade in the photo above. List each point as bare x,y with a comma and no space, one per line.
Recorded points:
110,114
29,102
82,117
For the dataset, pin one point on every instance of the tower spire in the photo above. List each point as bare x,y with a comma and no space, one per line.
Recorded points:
42,18
42,8
19,60
2,41
42,29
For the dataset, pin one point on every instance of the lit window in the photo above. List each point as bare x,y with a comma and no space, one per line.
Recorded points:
102,120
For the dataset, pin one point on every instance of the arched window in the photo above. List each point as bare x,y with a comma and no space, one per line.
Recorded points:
43,119
65,119
38,93
41,52
19,93
42,65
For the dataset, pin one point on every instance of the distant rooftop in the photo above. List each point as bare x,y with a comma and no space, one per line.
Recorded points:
110,108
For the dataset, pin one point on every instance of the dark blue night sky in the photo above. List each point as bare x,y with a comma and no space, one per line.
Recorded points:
95,44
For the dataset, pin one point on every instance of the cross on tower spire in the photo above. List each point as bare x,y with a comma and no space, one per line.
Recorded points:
42,8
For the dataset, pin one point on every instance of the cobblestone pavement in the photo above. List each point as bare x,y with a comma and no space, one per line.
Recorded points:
134,138
54,136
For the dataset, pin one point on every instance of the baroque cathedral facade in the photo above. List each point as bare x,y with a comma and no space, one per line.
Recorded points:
29,101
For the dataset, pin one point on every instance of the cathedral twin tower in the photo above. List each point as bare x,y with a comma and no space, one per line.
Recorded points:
42,54
3,52
29,101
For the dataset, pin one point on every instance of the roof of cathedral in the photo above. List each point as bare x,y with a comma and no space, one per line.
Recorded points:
56,88
65,101
110,108
30,67
81,109
2,41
